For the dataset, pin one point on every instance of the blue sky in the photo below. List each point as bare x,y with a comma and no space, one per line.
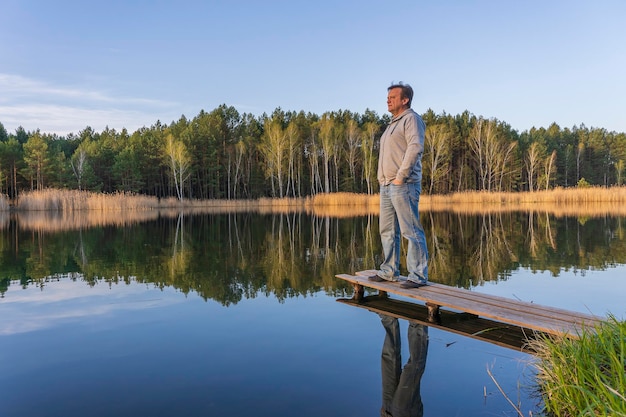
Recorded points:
66,65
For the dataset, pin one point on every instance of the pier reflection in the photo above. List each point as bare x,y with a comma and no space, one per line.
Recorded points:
465,324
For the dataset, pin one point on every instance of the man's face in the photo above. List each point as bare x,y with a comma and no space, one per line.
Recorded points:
396,104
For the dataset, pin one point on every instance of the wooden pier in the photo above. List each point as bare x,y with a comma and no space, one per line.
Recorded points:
526,315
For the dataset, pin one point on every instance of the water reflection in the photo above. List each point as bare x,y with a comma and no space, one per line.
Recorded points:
402,385
226,257
271,270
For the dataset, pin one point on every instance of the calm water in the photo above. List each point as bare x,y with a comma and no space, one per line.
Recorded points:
236,314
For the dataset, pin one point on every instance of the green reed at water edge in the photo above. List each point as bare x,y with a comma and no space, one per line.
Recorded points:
584,376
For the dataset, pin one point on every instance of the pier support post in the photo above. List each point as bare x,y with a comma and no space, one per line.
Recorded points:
433,312
359,291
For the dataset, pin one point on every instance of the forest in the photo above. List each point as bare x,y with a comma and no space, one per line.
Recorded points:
224,154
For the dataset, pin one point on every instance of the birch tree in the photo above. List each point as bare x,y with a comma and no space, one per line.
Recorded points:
353,140
312,150
179,162
274,148
580,149
483,143
327,140
240,151
505,164
436,154
368,138
293,153
533,164
78,161
550,168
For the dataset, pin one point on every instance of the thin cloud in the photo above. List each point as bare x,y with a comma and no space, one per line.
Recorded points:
61,120
34,104
16,86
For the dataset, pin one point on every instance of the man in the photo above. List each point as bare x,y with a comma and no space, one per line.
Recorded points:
400,178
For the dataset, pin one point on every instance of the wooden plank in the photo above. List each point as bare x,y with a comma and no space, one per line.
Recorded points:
519,313
513,305
469,325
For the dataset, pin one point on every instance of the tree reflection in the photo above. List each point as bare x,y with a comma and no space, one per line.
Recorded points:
229,256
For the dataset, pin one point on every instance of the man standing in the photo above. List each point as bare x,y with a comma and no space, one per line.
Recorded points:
400,178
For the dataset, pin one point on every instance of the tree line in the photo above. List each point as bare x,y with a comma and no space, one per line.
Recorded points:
224,154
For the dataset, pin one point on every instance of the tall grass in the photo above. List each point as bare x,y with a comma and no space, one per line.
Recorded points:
559,201
584,376
72,200
554,196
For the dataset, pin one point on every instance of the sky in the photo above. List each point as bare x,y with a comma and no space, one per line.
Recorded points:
67,65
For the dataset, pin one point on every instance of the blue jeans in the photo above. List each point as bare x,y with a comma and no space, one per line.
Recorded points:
402,386
399,216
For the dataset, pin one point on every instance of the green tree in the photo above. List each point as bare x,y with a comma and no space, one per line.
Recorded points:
11,160
4,136
147,147
462,169
210,138
21,135
36,159
101,150
58,172
619,171
126,170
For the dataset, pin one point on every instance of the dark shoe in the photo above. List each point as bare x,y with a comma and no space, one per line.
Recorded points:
412,284
376,278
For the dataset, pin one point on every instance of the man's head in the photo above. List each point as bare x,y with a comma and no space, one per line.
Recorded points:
399,98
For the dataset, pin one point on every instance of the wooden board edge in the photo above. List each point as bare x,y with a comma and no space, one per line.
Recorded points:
548,324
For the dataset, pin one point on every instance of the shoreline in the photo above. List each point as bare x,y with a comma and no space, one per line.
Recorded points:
559,201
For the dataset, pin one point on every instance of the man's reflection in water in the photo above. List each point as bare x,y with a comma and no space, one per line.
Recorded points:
401,387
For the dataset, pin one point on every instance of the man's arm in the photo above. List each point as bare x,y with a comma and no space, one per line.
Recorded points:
414,131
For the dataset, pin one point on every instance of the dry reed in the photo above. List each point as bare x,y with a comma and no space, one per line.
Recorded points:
555,196
591,201
72,200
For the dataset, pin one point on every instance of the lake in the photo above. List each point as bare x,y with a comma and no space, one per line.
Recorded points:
237,314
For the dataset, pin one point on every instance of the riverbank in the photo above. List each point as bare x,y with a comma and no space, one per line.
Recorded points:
556,201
